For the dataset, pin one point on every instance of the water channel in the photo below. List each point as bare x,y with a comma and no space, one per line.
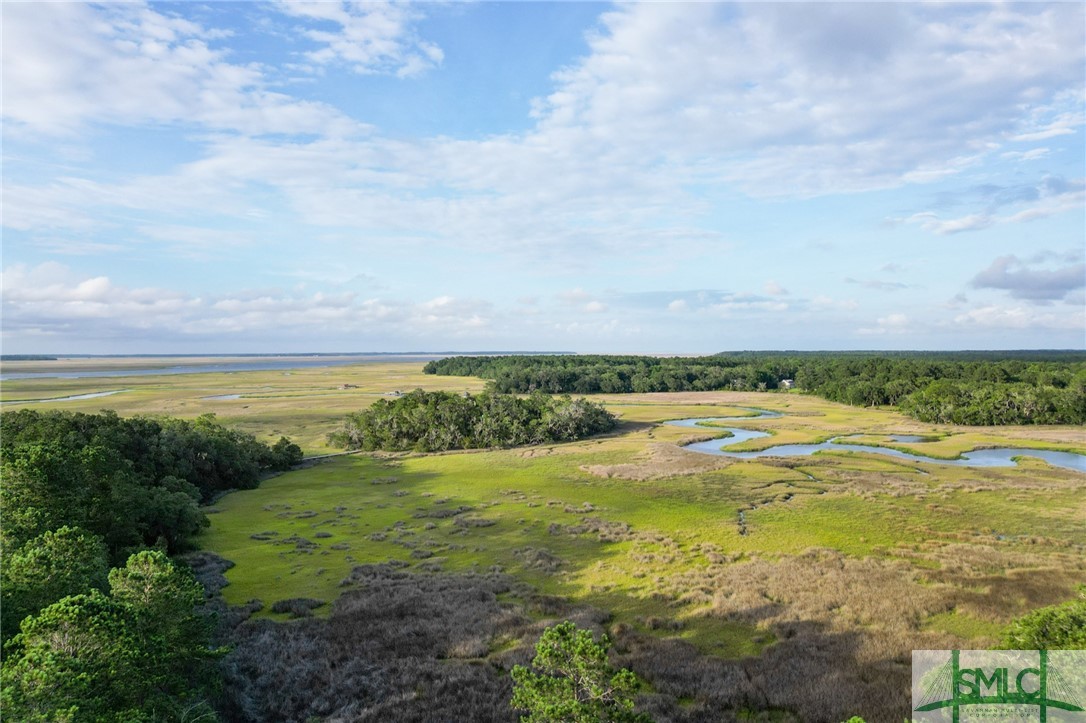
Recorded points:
996,457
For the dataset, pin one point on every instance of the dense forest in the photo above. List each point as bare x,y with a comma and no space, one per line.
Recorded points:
98,622
133,482
438,421
977,388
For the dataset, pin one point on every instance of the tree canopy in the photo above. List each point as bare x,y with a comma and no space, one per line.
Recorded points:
138,653
575,683
437,421
82,492
947,387
134,482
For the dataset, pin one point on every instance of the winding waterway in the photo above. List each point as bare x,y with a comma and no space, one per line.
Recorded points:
73,398
997,457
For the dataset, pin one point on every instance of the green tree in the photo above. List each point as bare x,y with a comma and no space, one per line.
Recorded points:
575,682
64,664
1058,627
285,454
436,421
138,654
170,633
53,565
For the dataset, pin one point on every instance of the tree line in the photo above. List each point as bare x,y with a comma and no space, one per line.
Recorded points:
437,421
134,482
940,387
98,623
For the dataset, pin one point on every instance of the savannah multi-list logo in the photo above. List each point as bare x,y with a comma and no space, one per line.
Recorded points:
958,686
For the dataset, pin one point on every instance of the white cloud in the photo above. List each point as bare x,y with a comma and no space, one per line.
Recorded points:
817,98
774,289
66,65
595,307
930,222
735,304
195,241
593,331
1048,124
1024,280
877,284
673,107
890,324
581,300
822,303
1022,317
1034,154
1049,197
670,95
50,298
68,247
574,296
371,37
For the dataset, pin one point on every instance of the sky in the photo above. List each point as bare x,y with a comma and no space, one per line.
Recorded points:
649,177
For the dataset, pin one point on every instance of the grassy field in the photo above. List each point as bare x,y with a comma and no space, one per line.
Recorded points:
731,556
303,404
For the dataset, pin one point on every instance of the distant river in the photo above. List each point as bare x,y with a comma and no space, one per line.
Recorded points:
254,365
997,457
73,398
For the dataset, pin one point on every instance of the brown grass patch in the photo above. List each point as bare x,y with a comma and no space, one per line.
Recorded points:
661,461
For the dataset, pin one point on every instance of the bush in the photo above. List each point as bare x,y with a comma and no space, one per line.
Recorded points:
299,607
1058,627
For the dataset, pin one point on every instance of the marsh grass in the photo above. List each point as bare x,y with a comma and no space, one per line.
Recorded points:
771,589
303,404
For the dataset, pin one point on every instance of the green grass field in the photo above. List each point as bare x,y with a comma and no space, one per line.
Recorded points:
718,552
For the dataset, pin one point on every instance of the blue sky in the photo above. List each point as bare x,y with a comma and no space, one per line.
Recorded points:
661,177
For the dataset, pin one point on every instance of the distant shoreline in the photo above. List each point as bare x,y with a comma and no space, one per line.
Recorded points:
74,366
22,366
104,362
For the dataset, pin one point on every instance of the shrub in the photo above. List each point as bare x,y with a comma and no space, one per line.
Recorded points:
1058,627
299,607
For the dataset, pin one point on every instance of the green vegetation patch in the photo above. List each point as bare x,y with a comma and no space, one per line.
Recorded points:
439,421
966,627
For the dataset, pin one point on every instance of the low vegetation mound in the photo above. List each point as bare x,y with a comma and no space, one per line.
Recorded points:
977,388
437,421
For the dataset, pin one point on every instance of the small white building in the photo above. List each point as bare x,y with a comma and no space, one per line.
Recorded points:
787,384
